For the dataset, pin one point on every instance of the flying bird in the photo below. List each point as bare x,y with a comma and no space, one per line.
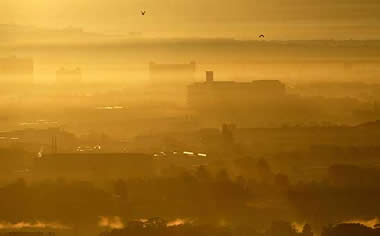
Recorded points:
143,13
261,36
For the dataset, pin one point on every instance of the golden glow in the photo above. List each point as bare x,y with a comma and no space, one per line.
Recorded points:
279,19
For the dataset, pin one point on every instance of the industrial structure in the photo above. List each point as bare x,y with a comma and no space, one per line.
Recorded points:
230,93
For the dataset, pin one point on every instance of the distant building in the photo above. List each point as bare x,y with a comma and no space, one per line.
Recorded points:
16,70
135,34
172,74
89,165
65,76
228,133
229,93
209,76
31,233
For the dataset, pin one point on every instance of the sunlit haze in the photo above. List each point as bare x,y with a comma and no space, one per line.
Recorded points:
189,117
280,19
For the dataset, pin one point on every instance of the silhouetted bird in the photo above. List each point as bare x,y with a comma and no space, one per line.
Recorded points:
261,36
143,13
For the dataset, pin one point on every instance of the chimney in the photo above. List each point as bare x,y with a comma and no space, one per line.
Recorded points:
209,76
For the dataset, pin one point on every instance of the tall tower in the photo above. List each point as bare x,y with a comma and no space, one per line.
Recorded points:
209,76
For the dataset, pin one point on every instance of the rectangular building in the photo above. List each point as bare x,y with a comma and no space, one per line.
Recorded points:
212,93
27,233
94,165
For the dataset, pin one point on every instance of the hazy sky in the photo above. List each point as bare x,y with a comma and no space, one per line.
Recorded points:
241,18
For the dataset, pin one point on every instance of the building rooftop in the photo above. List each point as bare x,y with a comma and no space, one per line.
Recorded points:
253,84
